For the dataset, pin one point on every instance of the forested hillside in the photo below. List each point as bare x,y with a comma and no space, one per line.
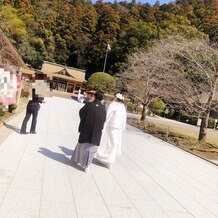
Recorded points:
77,32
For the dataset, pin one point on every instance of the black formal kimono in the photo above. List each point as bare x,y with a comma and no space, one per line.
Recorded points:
92,118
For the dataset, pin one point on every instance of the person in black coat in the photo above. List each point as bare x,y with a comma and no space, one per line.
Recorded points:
92,118
33,107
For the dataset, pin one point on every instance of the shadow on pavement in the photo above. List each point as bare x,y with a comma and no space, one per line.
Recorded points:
14,128
96,162
66,151
62,158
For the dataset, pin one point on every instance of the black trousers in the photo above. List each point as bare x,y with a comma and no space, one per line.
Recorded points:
31,110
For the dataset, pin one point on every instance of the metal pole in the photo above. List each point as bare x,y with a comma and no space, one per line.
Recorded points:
105,61
215,122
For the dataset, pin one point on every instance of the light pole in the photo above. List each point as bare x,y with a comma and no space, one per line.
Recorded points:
105,60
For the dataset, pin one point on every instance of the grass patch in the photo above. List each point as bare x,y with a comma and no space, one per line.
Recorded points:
178,138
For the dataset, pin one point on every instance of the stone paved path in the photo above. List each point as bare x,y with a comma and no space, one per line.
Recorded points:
150,179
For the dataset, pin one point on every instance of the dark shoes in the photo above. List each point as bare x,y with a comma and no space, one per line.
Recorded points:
24,133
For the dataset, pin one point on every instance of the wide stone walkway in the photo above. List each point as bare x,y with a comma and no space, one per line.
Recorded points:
150,179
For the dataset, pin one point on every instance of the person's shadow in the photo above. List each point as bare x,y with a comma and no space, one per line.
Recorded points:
62,158
66,151
14,128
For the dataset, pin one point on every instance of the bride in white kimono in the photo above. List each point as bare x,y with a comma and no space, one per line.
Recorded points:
110,145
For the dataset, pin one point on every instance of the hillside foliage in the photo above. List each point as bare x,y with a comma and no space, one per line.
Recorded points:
76,32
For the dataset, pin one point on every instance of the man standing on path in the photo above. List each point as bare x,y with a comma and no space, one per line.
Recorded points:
90,96
92,118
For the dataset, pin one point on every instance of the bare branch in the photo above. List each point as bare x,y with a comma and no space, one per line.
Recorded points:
179,70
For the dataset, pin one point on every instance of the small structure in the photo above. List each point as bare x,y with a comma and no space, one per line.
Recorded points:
67,79
27,73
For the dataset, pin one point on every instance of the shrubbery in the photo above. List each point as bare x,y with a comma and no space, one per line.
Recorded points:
131,106
2,112
192,119
157,106
103,81
14,107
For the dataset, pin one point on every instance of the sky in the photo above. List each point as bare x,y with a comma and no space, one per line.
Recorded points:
153,1
144,1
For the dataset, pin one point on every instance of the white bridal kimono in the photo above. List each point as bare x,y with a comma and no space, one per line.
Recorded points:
110,145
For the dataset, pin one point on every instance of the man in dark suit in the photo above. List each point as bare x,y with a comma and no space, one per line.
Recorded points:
92,118
90,96
33,107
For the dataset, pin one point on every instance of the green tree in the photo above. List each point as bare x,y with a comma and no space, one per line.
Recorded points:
76,32
157,105
102,81
11,24
210,21
85,29
106,32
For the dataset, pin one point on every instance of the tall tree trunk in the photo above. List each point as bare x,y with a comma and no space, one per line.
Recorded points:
203,128
144,112
206,114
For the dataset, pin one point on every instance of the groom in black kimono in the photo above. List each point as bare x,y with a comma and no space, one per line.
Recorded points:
92,118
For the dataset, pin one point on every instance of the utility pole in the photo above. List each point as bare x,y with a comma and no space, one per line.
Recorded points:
105,60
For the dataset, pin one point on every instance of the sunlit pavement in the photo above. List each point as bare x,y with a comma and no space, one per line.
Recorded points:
150,179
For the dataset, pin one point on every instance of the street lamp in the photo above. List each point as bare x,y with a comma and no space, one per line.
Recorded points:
105,60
